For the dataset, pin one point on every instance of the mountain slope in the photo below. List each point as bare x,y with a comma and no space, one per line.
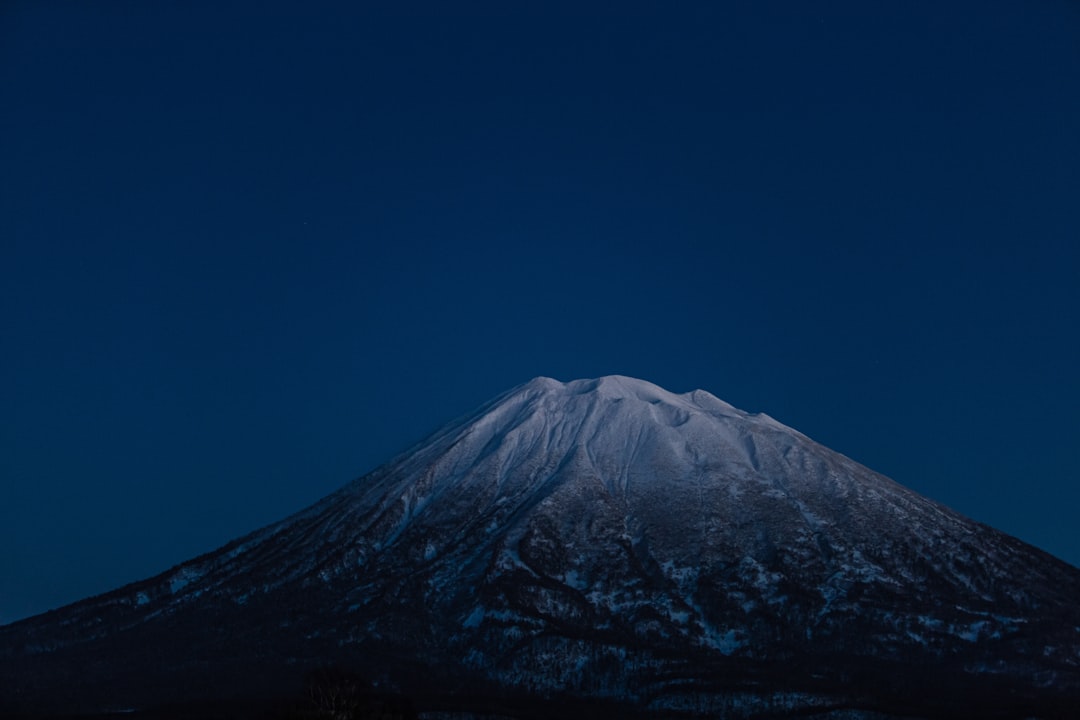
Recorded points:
594,539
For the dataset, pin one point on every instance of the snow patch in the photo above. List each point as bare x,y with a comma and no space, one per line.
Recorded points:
475,617
183,578
727,642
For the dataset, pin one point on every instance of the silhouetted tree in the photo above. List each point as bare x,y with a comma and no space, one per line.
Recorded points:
337,694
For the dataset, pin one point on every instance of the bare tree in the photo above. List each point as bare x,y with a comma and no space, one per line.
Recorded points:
337,694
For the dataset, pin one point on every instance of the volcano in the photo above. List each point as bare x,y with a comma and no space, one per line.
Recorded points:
603,544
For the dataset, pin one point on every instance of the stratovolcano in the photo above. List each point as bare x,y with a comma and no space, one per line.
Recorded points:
600,541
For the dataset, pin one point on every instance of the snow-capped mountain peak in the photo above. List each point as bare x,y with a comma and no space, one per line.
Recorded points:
607,540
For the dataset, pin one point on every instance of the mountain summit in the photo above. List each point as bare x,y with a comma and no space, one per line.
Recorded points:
599,540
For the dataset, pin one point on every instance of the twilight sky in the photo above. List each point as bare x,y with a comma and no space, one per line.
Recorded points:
249,251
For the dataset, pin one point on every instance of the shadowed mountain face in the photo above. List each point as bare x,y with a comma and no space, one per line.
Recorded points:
602,540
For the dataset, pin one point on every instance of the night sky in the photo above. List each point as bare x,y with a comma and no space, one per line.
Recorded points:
249,252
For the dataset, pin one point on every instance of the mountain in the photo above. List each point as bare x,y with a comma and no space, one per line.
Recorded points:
599,544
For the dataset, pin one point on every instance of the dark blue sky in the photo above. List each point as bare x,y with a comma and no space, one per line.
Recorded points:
250,251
